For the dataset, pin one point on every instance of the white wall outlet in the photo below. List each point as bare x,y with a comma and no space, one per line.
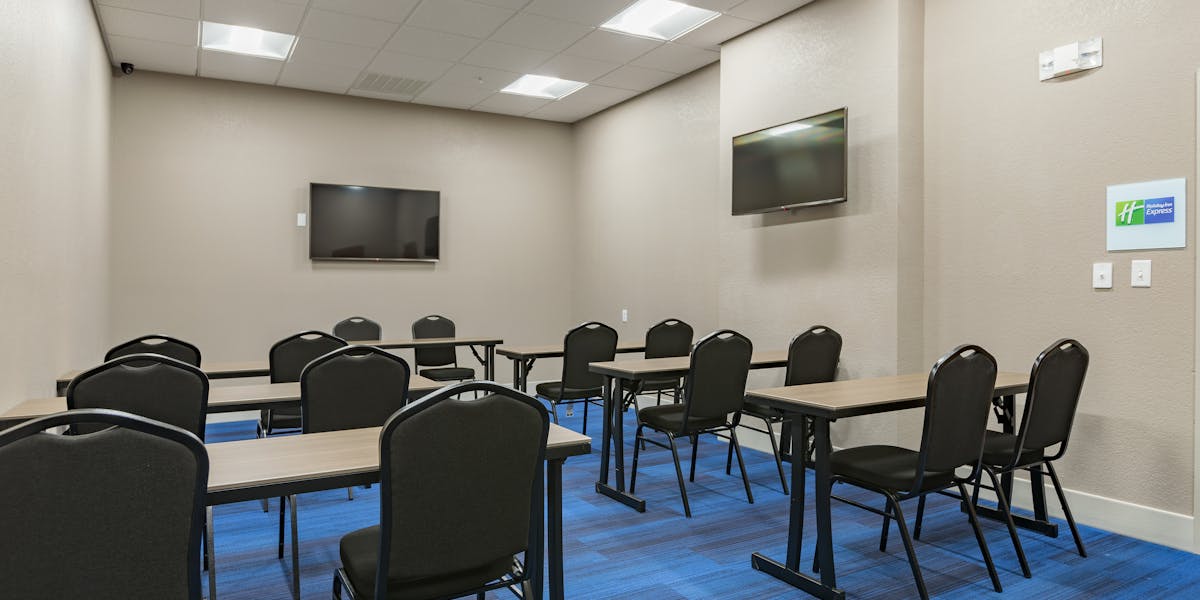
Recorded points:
1102,276
624,315
301,219
1139,273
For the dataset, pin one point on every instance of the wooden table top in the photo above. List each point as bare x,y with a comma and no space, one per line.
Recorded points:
277,460
426,342
648,367
854,397
553,350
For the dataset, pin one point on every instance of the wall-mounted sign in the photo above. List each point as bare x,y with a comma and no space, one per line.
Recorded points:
1151,214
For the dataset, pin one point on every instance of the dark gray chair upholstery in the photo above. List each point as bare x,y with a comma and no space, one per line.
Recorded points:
443,361
358,329
462,493
150,385
157,344
585,344
813,357
958,401
107,515
667,338
713,394
288,357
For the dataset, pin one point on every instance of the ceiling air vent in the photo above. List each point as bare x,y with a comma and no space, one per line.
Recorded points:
386,84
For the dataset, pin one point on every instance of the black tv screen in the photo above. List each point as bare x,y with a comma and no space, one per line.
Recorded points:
801,163
355,222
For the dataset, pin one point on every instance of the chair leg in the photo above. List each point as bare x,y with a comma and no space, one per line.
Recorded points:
695,448
778,460
337,587
741,464
637,437
983,548
258,432
1002,501
887,521
586,405
658,399
1062,501
908,546
687,510
920,518
282,508
729,459
350,493
554,411
295,549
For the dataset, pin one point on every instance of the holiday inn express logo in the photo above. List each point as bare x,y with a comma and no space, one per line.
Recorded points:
1145,212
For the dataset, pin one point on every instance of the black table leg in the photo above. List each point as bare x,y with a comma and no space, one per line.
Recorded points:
554,517
212,554
489,366
517,375
614,443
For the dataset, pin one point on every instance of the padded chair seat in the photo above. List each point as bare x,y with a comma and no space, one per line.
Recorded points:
360,558
554,390
888,467
998,450
652,385
669,417
448,373
758,409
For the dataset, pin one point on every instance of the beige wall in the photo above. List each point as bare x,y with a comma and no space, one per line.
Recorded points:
54,98
208,177
1015,181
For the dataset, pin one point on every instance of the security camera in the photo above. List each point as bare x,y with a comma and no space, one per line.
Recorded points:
127,68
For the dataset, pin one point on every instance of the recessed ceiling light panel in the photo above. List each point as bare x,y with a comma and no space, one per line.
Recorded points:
659,19
246,40
541,86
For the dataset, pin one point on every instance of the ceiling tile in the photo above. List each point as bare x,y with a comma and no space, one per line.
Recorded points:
509,4
319,77
440,93
543,33
387,10
587,12
510,104
460,17
430,44
506,57
677,58
347,29
717,31
575,68
409,67
147,26
480,78
239,67
614,47
565,113
149,55
766,10
320,52
188,9
599,94
263,14
636,78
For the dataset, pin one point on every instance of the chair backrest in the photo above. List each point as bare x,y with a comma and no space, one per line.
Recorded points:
150,385
813,356
358,329
1054,387
111,514
587,343
958,401
461,483
670,337
157,344
352,387
716,379
289,356
434,326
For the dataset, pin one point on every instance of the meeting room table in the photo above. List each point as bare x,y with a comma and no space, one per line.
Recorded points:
523,357
827,402
615,374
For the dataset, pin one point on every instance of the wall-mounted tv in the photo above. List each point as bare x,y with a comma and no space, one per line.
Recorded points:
801,163
356,222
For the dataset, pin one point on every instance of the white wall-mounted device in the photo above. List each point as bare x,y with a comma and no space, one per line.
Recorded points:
1070,58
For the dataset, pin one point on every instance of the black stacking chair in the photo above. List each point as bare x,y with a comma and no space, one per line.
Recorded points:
358,329
462,494
157,344
587,343
442,360
812,358
1054,386
350,388
154,386
288,357
958,397
713,395
116,513
667,338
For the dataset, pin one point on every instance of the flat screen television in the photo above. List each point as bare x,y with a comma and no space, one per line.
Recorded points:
801,163
356,222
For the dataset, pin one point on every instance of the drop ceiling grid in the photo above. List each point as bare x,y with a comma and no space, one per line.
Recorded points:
466,49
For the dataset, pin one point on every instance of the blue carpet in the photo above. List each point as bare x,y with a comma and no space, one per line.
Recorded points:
614,552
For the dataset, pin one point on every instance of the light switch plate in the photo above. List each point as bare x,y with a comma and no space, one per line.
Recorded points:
624,315
1139,273
1102,276
301,219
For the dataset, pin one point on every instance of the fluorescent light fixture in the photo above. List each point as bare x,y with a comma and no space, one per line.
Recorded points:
247,40
541,86
788,128
659,19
